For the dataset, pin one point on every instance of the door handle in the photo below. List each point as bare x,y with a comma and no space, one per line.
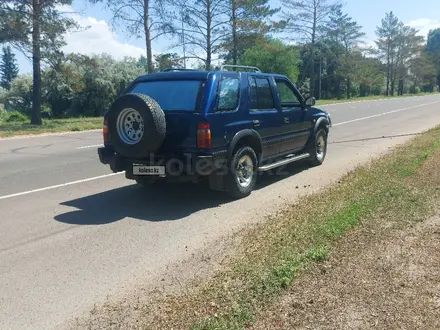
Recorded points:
256,122
286,120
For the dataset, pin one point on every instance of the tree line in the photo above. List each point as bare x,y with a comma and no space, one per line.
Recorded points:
314,42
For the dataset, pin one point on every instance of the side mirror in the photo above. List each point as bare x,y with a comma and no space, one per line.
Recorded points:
311,102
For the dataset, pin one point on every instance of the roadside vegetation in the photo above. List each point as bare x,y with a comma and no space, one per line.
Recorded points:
392,193
369,98
15,123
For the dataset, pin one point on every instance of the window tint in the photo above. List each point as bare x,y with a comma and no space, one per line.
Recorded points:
229,91
287,96
171,95
264,94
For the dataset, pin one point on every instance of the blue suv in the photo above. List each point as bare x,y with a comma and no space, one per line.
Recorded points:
223,126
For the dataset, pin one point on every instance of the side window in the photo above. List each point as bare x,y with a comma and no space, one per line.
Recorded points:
229,92
261,94
287,97
265,97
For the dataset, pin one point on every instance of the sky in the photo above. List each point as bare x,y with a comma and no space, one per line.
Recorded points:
98,35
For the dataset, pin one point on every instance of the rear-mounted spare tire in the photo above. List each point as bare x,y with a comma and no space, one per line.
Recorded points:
136,125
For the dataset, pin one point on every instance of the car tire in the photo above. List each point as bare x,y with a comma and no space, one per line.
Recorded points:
136,125
318,148
242,174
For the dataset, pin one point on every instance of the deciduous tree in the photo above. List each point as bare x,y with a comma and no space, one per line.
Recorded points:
167,60
147,19
423,72
274,57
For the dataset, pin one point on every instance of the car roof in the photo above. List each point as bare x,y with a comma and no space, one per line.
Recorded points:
195,74
171,75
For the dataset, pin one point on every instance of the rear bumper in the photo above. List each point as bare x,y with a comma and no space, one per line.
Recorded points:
187,164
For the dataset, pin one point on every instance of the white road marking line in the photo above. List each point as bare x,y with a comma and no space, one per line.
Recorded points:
59,186
351,102
377,100
384,113
93,146
19,137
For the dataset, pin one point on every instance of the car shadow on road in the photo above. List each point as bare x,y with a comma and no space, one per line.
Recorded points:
157,203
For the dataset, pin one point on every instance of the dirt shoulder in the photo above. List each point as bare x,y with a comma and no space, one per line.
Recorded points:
384,274
385,281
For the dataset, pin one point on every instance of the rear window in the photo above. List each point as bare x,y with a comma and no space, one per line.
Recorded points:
174,95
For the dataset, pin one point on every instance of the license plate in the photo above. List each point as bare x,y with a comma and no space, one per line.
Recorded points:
148,170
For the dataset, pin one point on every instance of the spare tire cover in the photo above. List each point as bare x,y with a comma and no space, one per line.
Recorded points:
136,125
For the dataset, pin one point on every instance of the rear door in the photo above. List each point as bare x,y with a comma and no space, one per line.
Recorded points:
180,101
295,133
265,116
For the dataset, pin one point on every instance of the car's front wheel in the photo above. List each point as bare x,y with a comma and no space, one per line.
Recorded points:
318,148
242,175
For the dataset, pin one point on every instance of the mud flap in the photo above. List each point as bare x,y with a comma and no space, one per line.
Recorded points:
217,182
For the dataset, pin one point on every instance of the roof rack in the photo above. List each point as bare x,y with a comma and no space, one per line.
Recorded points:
177,69
239,66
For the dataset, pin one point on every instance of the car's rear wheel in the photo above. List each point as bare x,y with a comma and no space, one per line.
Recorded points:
242,175
318,148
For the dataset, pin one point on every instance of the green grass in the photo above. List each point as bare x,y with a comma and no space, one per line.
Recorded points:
368,98
318,253
337,224
49,126
410,169
272,255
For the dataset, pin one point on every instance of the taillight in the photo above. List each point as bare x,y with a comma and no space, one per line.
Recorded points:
105,130
204,135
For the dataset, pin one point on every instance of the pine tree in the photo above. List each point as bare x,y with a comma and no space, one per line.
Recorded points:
343,30
36,28
387,45
249,20
8,68
433,48
305,19
409,44
205,25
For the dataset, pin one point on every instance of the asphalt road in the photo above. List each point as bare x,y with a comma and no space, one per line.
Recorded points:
71,232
